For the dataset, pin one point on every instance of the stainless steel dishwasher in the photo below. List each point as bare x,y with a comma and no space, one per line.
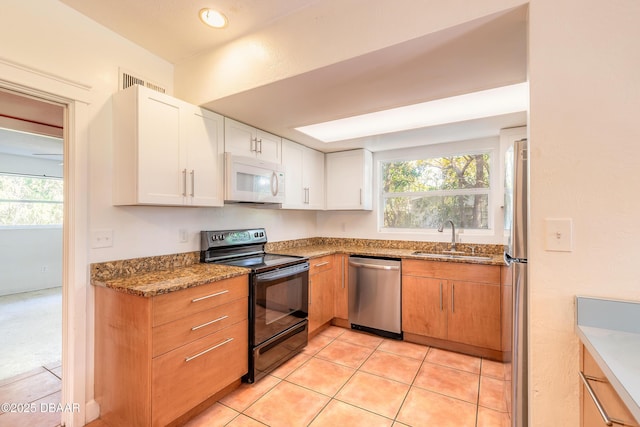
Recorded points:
375,296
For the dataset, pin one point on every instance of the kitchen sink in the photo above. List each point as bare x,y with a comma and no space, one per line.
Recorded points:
453,256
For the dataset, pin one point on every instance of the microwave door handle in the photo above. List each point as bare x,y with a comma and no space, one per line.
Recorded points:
274,180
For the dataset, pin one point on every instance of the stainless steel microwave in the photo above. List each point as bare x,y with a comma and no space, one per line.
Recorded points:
251,180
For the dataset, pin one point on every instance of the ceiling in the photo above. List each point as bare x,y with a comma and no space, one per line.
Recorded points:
172,29
477,55
30,127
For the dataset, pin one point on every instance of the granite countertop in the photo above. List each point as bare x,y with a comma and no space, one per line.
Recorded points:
151,283
314,251
157,275
610,331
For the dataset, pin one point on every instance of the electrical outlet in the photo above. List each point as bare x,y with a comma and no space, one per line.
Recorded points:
183,236
102,238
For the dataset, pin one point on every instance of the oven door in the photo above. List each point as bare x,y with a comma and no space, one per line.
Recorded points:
280,301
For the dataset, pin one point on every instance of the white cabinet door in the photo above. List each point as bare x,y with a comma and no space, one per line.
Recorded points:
304,176
147,159
292,155
205,157
313,178
349,180
244,140
166,151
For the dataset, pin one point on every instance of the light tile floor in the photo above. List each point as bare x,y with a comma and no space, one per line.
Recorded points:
347,378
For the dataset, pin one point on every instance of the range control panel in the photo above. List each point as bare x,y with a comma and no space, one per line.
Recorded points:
223,238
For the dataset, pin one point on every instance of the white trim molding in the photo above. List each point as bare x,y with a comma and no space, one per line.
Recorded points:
77,379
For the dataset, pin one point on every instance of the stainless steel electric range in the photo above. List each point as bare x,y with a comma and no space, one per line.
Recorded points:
278,295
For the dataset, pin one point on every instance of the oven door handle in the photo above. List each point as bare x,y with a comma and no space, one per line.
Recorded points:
284,272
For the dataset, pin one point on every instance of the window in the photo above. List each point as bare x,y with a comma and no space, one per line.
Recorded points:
423,193
30,200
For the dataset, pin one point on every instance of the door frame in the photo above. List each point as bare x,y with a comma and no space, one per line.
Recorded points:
77,378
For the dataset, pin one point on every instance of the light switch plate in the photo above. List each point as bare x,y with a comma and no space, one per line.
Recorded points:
558,234
102,238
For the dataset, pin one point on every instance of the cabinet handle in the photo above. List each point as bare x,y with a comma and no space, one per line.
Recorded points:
195,328
259,144
343,272
193,182
310,291
320,264
361,197
210,296
607,420
441,295
453,298
253,144
190,358
306,195
184,183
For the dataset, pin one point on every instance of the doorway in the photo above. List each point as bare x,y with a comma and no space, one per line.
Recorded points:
31,254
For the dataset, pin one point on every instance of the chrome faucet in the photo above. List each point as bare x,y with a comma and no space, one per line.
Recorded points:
453,233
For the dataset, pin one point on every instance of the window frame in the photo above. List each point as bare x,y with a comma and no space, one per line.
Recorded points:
490,146
34,201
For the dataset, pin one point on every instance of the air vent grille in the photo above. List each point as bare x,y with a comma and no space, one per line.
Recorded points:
129,79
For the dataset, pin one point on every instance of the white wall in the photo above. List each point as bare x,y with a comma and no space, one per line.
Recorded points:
30,259
585,98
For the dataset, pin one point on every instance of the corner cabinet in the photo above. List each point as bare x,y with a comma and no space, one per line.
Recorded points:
158,358
304,179
349,177
244,140
453,303
166,151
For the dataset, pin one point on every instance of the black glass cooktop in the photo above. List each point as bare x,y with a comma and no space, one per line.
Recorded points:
261,261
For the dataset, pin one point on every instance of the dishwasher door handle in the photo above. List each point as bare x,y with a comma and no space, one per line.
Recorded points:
374,266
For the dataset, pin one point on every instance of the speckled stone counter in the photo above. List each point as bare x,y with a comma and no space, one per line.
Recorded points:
157,275
151,276
319,246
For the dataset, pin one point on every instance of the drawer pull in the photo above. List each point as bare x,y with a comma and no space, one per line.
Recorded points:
607,420
321,264
210,296
195,328
227,341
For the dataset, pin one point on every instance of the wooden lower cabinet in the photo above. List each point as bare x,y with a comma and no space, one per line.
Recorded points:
321,291
157,358
341,287
609,399
423,306
453,302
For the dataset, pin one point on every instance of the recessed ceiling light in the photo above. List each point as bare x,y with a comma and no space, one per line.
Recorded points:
213,18
476,105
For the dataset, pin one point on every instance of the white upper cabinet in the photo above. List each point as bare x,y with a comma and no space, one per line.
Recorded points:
205,157
166,151
245,140
304,176
349,176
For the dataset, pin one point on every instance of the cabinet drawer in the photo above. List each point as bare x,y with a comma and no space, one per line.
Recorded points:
452,270
175,305
611,402
318,265
174,334
188,375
